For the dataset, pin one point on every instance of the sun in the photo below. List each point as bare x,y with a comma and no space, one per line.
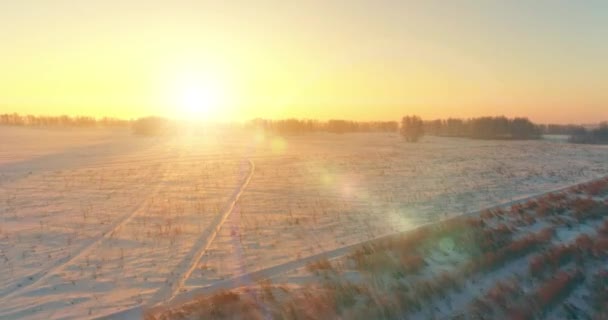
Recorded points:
197,98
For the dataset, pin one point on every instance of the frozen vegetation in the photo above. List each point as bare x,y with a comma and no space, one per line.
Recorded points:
98,222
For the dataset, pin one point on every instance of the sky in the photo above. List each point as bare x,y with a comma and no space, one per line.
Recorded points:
360,60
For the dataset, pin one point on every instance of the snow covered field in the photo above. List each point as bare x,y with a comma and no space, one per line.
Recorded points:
539,258
96,223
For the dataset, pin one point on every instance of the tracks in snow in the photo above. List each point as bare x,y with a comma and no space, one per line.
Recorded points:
89,245
175,282
172,292
288,266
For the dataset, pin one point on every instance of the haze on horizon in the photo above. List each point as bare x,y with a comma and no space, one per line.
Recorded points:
316,59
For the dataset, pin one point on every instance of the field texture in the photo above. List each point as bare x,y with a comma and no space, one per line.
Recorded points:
96,223
541,258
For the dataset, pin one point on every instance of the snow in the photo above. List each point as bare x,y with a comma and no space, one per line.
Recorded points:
99,222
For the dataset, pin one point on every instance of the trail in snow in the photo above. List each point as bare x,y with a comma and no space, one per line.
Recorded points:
89,245
175,283
283,268
177,297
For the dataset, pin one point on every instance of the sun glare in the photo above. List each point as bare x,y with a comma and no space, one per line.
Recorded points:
197,101
194,98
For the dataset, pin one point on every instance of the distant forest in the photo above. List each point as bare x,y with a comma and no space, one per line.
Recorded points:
516,128
412,128
298,126
593,136
484,128
15,119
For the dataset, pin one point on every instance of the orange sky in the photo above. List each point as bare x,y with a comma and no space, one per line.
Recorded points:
319,59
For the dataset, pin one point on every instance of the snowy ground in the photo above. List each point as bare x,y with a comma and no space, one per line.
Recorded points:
539,258
96,223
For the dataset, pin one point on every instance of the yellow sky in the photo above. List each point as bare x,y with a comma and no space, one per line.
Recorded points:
318,59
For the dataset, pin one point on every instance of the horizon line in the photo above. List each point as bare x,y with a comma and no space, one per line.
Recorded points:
96,118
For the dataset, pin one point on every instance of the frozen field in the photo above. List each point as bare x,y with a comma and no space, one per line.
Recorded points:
96,223
538,258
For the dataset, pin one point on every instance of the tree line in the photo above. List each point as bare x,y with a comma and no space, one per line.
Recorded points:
299,126
592,136
561,129
484,128
412,128
15,119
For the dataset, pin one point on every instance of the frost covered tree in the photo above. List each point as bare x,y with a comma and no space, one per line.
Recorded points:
412,128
